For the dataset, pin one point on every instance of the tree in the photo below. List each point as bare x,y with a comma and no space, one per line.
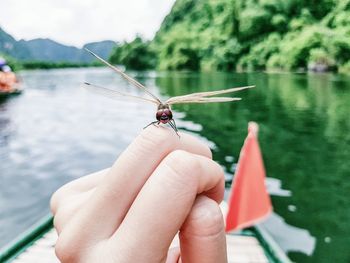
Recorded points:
136,55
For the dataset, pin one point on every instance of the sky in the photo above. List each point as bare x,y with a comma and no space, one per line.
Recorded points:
76,22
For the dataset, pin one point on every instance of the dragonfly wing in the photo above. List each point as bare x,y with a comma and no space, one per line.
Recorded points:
113,93
125,76
205,94
202,100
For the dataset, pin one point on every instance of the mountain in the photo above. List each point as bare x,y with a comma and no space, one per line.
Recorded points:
43,49
10,46
7,42
49,50
102,48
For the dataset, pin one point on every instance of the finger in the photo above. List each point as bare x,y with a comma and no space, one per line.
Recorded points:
82,184
164,202
202,236
66,211
114,196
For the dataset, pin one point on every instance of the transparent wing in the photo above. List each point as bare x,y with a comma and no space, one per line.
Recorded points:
201,95
204,100
125,76
113,93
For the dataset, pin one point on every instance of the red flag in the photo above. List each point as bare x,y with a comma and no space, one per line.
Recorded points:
249,201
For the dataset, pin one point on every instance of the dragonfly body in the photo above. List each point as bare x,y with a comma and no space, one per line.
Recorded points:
163,114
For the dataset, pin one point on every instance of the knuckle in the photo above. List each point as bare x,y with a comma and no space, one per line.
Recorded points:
205,218
60,219
177,156
65,212
155,137
57,222
58,196
66,250
183,165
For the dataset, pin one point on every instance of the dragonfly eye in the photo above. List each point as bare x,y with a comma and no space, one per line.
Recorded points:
168,113
164,115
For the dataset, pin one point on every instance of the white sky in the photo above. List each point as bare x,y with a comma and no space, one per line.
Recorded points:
76,22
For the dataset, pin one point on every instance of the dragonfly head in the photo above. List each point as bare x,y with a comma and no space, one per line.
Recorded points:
164,113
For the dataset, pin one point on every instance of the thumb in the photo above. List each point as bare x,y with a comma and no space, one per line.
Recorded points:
202,236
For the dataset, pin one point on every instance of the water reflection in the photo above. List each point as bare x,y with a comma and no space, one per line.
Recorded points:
289,238
274,187
5,124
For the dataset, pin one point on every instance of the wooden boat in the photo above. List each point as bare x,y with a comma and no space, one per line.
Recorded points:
37,245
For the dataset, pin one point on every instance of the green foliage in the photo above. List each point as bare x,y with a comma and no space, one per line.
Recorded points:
245,35
136,54
280,22
224,56
51,65
319,56
17,65
255,22
179,52
275,62
298,23
339,16
260,53
296,46
314,44
345,68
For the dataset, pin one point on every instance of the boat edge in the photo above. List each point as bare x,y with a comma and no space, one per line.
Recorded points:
272,250
26,239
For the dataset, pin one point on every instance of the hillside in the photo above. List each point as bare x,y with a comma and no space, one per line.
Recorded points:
102,48
11,47
254,35
47,50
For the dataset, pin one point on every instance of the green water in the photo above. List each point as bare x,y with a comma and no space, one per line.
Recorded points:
305,139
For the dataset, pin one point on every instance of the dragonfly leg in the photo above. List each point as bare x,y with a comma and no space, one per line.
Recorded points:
173,126
152,123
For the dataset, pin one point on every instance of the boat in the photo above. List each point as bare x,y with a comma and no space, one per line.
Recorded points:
9,85
15,89
37,244
12,92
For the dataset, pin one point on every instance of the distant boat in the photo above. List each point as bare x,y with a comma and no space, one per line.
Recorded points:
9,84
9,93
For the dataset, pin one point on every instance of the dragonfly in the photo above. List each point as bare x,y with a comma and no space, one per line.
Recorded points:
164,114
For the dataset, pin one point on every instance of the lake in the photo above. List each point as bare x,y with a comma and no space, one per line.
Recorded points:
55,132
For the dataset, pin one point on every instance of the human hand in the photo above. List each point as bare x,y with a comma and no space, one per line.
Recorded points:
160,186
